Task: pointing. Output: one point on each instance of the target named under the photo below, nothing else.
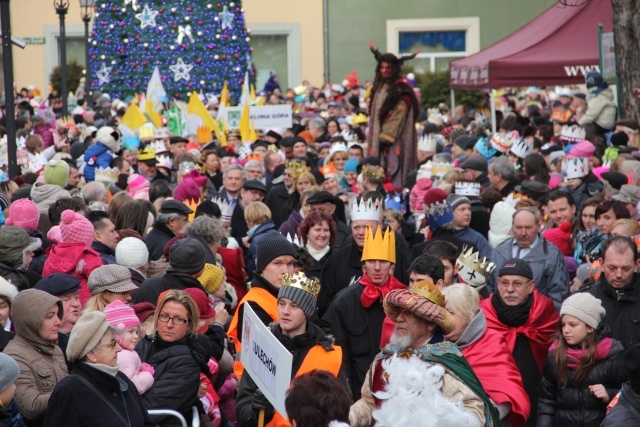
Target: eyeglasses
(163, 317)
(516, 284)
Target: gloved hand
(259, 401)
(145, 367)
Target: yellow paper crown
(360, 118)
(428, 290)
(193, 205)
(298, 168)
(146, 154)
(147, 131)
(204, 135)
(379, 246)
(300, 281)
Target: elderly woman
(485, 349)
(97, 394)
(36, 318)
(177, 353)
(107, 284)
(318, 233)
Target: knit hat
(75, 228)
(456, 200)
(143, 310)
(56, 172)
(500, 223)
(271, 247)
(187, 190)
(351, 165)
(9, 371)
(112, 278)
(203, 302)
(593, 79)
(302, 291)
(585, 307)
(434, 195)
(561, 237)
(8, 291)
(23, 213)
(211, 278)
(109, 137)
(86, 334)
(187, 256)
(516, 267)
(121, 316)
(132, 253)
(582, 149)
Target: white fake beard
(402, 342)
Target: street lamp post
(62, 7)
(86, 7)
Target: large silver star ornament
(226, 18)
(147, 17)
(181, 70)
(104, 74)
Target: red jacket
(75, 259)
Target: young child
(123, 317)
(9, 371)
(584, 368)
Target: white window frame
(470, 25)
(294, 47)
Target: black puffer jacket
(574, 405)
(176, 376)
(626, 412)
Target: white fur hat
(8, 290)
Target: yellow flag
(261, 100)
(196, 107)
(253, 93)
(154, 116)
(253, 136)
(223, 140)
(224, 95)
(133, 118)
(245, 126)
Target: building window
(439, 41)
(75, 50)
(270, 56)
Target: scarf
(109, 370)
(373, 292)
(575, 355)
(317, 255)
(512, 316)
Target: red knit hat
(75, 228)
(561, 237)
(434, 195)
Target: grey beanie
(187, 256)
(585, 307)
(272, 245)
(86, 334)
(302, 298)
(9, 371)
(456, 200)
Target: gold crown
(193, 205)
(300, 281)
(360, 118)
(471, 260)
(107, 175)
(428, 290)
(373, 172)
(204, 135)
(146, 154)
(379, 246)
(298, 167)
(233, 132)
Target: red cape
(539, 329)
(494, 366)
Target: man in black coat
(173, 216)
(186, 262)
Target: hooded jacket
(41, 362)
(13, 243)
(98, 155)
(43, 195)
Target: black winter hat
(516, 267)
(58, 284)
(187, 256)
(271, 246)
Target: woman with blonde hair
(177, 353)
(258, 217)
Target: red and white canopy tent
(559, 47)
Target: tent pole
(493, 110)
(453, 100)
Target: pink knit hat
(121, 316)
(582, 149)
(24, 213)
(138, 187)
(187, 190)
(75, 228)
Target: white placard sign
(265, 359)
(264, 117)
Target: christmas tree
(197, 45)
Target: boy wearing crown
(356, 315)
(310, 347)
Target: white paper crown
(502, 141)
(425, 170)
(440, 169)
(520, 148)
(225, 209)
(21, 142)
(434, 116)
(575, 168)
(161, 133)
(158, 146)
(107, 175)
(473, 270)
(164, 161)
(427, 143)
(468, 188)
(365, 210)
(295, 240)
(350, 138)
(573, 133)
(340, 146)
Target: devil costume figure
(393, 112)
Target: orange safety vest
(267, 302)
(317, 358)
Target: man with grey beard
(421, 320)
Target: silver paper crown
(295, 240)
(468, 188)
(365, 210)
(427, 143)
(164, 161)
(158, 146)
(225, 209)
(520, 148)
(575, 168)
(573, 133)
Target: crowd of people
(421, 269)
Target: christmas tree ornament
(226, 18)
(184, 32)
(104, 74)
(181, 70)
(147, 17)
